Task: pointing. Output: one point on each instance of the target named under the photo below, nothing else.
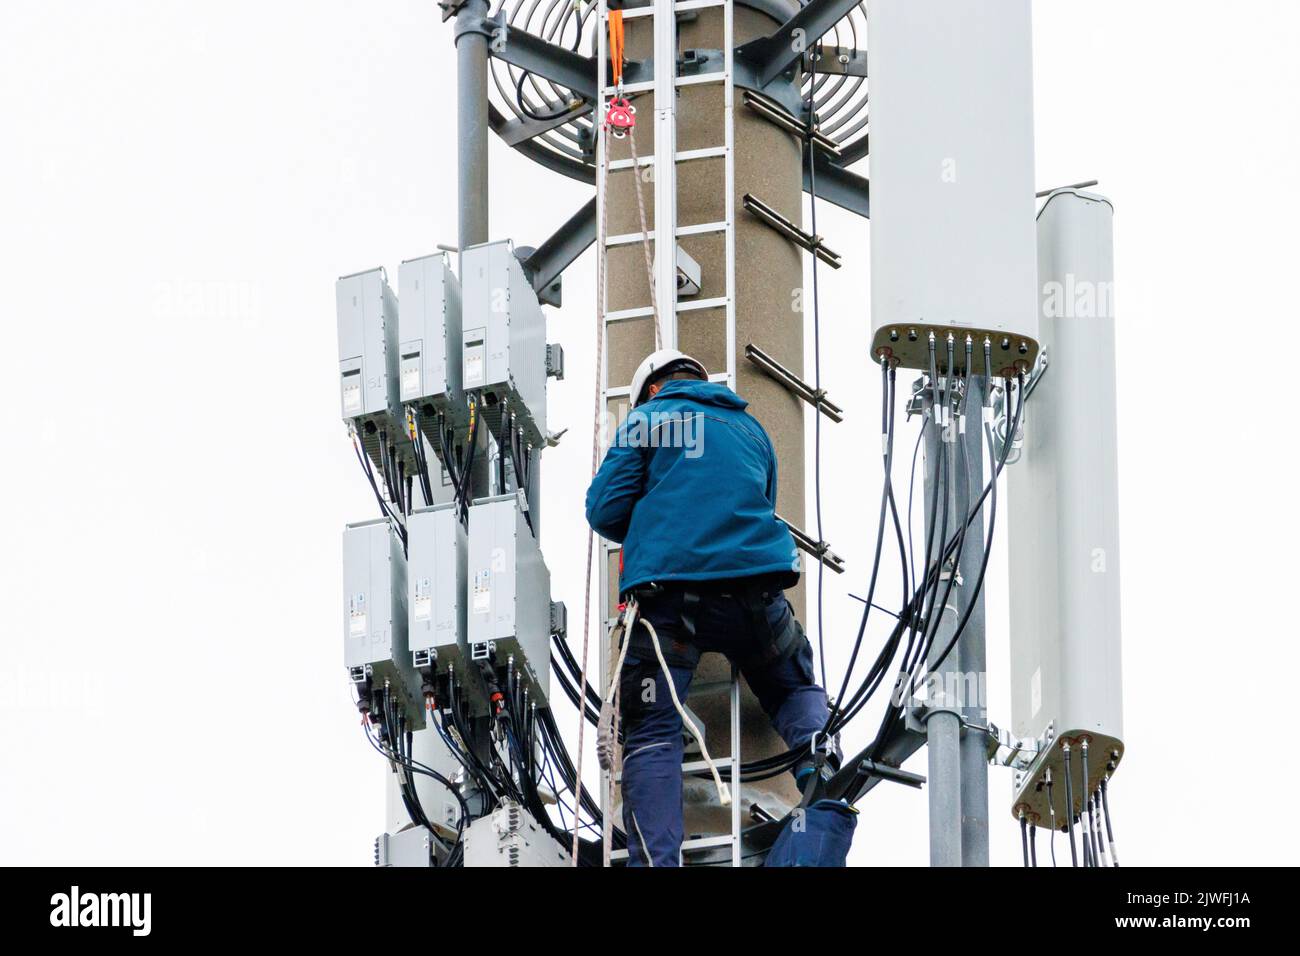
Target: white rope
(608, 750)
(595, 462)
(606, 738)
(724, 793)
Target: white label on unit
(423, 601)
(352, 397)
(1035, 693)
(410, 381)
(482, 592)
(474, 369)
(357, 618)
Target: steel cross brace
(772, 55)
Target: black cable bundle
(395, 745)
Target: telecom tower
(701, 125)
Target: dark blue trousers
(689, 623)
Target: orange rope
(616, 44)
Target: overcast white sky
(180, 184)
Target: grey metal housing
(504, 332)
(438, 550)
(374, 614)
(430, 336)
(509, 590)
(368, 350)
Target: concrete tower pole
(769, 293)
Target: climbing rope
(724, 793)
(645, 235)
(608, 750)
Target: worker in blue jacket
(689, 488)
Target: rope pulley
(620, 116)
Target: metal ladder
(666, 232)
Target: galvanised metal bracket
(1001, 421)
(1018, 753)
(850, 62)
(849, 780)
(917, 714)
(776, 54)
(776, 113)
(797, 386)
(530, 52)
(770, 217)
(545, 264)
(838, 185)
(450, 8)
(818, 549)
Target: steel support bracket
(776, 114)
(836, 184)
(450, 8)
(850, 782)
(874, 768)
(545, 264)
(917, 714)
(1018, 753)
(529, 52)
(770, 217)
(484, 26)
(846, 62)
(778, 52)
(801, 389)
(818, 549)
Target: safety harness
(753, 594)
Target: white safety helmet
(655, 364)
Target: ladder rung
(640, 13)
(685, 156)
(699, 229)
(694, 305)
(695, 79)
(644, 312)
(698, 843)
(622, 315)
(645, 86)
(624, 239)
(691, 79)
(702, 228)
(703, 843)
